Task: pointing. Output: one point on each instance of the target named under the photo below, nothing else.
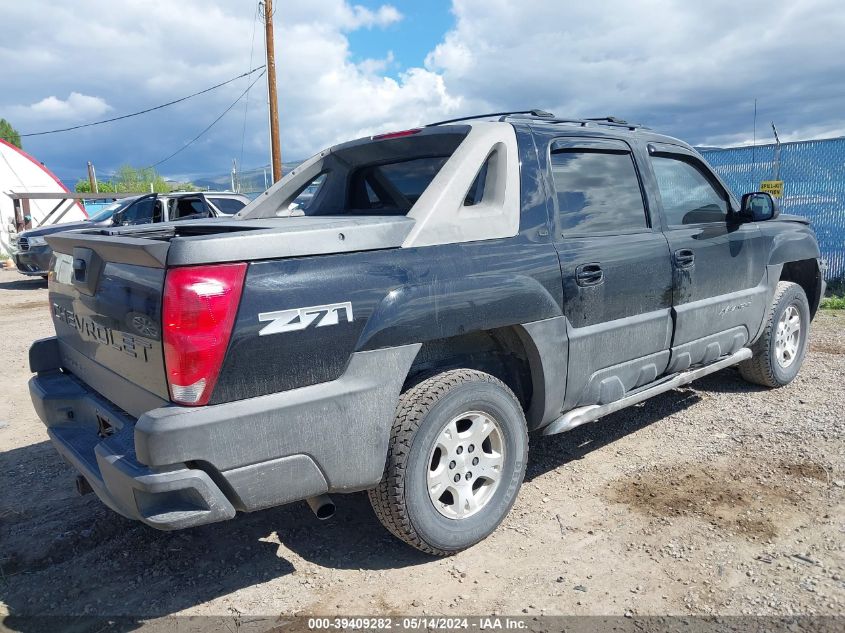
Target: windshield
(378, 176)
(108, 211)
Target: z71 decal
(300, 318)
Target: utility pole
(92, 178)
(275, 148)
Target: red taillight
(382, 137)
(200, 303)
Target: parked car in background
(33, 253)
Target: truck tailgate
(107, 316)
(107, 285)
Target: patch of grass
(833, 303)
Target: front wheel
(780, 350)
(456, 460)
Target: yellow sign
(772, 187)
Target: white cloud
(357, 16)
(140, 53)
(377, 66)
(77, 107)
(690, 69)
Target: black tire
(401, 500)
(763, 367)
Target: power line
(212, 124)
(246, 103)
(158, 107)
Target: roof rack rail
(547, 117)
(535, 113)
(609, 119)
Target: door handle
(684, 258)
(589, 275)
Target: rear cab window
(381, 176)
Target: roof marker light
(389, 135)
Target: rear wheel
(456, 460)
(779, 352)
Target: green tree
(130, 179)
(10, 134)
(103, 186)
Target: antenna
(754, 151)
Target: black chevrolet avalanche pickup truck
(399, 312)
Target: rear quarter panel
(398, 296)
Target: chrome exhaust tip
(322, 506)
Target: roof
(231, 194)
(542, 116)
(543, 119)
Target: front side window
(144, 211)
(597, 191)
(688, 196)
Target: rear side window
(229, 206)
(476, 192)
(188, 208)
(597, 192)
(688, 196)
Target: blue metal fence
(814, 185)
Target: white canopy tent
(20, 173)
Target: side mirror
(758, 206)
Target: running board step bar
(591, 413)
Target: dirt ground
(720, 498)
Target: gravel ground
(719, 498)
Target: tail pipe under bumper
(322, 506)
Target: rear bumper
(35, 261)
(167, 499)
(177, 467)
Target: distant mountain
(252, 180)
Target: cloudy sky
(346, 69)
